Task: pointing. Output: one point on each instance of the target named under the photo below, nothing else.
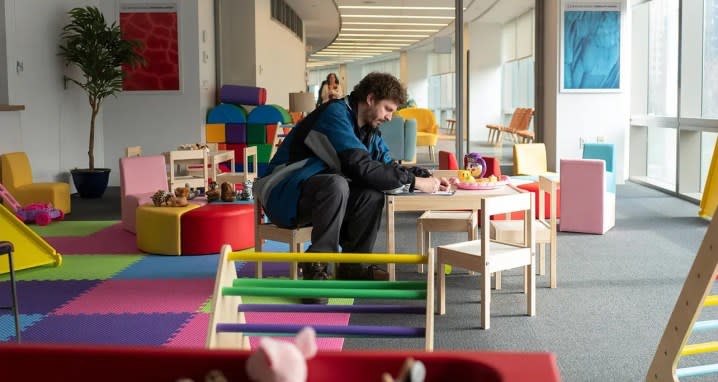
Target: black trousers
(341, 214)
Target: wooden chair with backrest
(523, 134)
(512, 230)
(133, 151)
(487, 256)
(521, 123)
(264, 230)
(496, 130)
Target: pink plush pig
(282, 361)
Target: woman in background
(332, 90)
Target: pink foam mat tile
(193, 334)
(141, 296)
(323, 343)
(111, 240)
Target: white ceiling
(338, 32)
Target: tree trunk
(91, 151)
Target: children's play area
(349, 190)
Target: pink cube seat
(140, 177)
(586, 206)
(206, 229)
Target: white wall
(281, 60)
(207, 58)
(54, 127)
(484, 78)
(589, 115)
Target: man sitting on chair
(332, 170)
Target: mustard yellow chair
(530, 161)
(16, 176)
(427, 130)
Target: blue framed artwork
(591, 47)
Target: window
(518, 84)
(283, 13)
(663, 58)
(710, 59)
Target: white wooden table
(460, 200)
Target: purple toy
(40, 213)
(474, 160)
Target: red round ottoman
(206, 229)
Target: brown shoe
(356, 272)
(314, 271)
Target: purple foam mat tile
(268, 269)
(106, 329)
(111, 240)
(171, 267)
(42, 297)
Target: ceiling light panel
(384, 26)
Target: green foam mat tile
(206, 307)
(82, 267)
(72, 228)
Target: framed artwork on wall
(590, 47)
(156, 25)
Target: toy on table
(213, 193)
(474, 163)
(282, 361)
(39, 213)
(411, 371)
(246, 193)
(192, 192)
(227, 194)
(180, 198)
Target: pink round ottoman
(206, 229)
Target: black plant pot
(90, 183)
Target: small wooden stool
(451, 124)
(443, 221)
(6, 248)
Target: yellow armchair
(16, 176)
(427, 130)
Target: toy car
(40, 213)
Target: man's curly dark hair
(383, 86)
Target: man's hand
(431, 184)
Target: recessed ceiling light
(400, 17)
(396, 7)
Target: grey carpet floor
(603, 322)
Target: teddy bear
(213, 193)
(228, 194)
(282, 361)
(181, 197)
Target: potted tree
(98, 51)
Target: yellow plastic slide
(710, 189)
(30, 249)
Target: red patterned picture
(156, 27)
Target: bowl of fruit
(466, 181)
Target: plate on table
(504, 180)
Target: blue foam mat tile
(7, 325)
(115, 329)
(171, 267)
(42, 297)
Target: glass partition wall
(674, 103)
